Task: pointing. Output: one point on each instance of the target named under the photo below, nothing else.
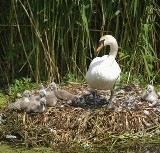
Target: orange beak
(99, 47)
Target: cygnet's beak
(100, 47)
(147, 91)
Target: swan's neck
(112, 54)
(113, 49)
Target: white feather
(104, 71)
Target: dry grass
(68, 123)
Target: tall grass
(49, 39)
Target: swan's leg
(112, 92)
(94, 93)
(111, 95)
(94, 97)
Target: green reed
(49, 39)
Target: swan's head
(105, 40)
(150, 88)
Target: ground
(88, 122)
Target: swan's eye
(101, 42)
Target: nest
(65, 122)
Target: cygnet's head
(43, 101)
(150, 88)
(40, 86)
(27, 93)
(42, 93)
(53, 86)
(106, 40)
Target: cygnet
(34, 99)
(61, 94)
(37, 107)
(149, 94)
(22, 101)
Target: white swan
(104, 71)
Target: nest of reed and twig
(65, 122)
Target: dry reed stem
(70, 124)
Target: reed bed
(52, 39)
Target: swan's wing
(32, 107)
(17, 105)
(102, 75)
(64, 95)
(104, 57)
(144, 94)
(14, 106)
(98, 60)
(51, 99)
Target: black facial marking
(101, 42)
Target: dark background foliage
(46, 40)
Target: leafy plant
(3, 99)
(71, 78)
(21, 85)
(126, 78)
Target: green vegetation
(120, 143)
(12, 149)
(21, 85)
(3, 99)
(52, 39)
(55, 40)
(72, 78)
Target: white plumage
(104, 71)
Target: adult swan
(104, 71)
